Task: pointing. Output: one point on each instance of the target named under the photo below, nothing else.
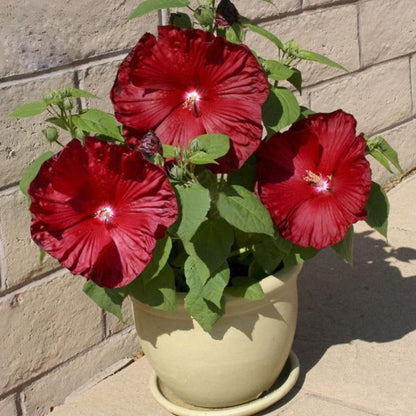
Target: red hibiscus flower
(99, 209)
(314, 179)
(187, 83)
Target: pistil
(318, 181)
(191, 102)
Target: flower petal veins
(187, 83)
(314, 179)
(98, 208)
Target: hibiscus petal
(154, 84)
(108, 233)
(318, 222)
(352, 181)
(336, 133)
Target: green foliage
(244, 210)
(32, 170)
(246, 175)
(194, 203)
(235, 33)
(211, 243)
(299, 255)
(245, 287)
(181, 20)
(378, 209)
(383, 153)
(77, 93)
(158, 291)
(155, 286)
(280, 110)
(28, 110)
(160, 257)
(148, 6)
(108, 299)
(316, 57)
(263, 32)
(205, 300)
(345, 248)
(213, 145)
(268, 255)
(98, 122)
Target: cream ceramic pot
(237, 360)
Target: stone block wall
(52, 338)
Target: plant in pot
(203, 203)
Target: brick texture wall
(52, 338)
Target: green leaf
(378, 209)
(305, 112)
(277, 70)
(380, 149)
(108, 299)
(42, 254)
(181, 20)
(168, 151)
(268, 255)
(211, 243)
(194, 267)
(316, 57)
(32, 170)
(244, 210)
(235, 33)
(57, 122)
(28, 109)
(194, 203)
(215, 145)
(148, 6)
(160, 257)
(245, 287)
(296, 79)
(202, 158)
(208, 180)
(256, 272)
(246, 175)
(299, 255)
(345, 248)
(158, 292)
(97, 121)
(280, 110)
(376, 154)
(263, 32)
(205, 300)
(77, 93)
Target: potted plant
(203, 203)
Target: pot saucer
(280, 388)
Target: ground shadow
(338, 304)
(372, 302)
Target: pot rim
(271, 286)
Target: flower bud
(176, 172)
(47, 96)
(177, 152)
(226, 15)
(150, 144)
(195, 146)
(204, 16)
(68, 103)
(51, 134)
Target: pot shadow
(338, 304)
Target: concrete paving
(356, 336)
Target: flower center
(104, 214)
(191, 102)
(320, 182)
